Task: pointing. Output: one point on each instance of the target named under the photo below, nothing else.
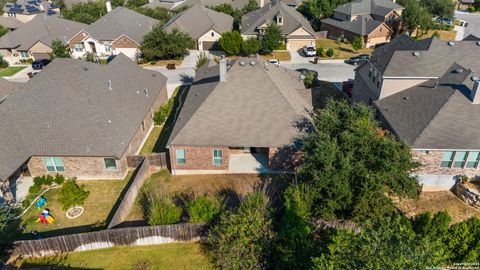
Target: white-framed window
(108, 47)
(217, 157)
(24, 54)
(459, 159)
(472, 159)
(78, 47)
(180, 155)
(213, 34)
(110, 164)
(54, 164)
(447, 159)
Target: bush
(160, 209)
(202, 59)
(45, 180)
(330, 52)
(309, 79)
(250, 46)
(162, 114)
(71, 194)
(152, 63)
(3, 63)
(204, 209)
(282, 46)
(471, 9)
(26, 61)
(319, 51)
(323, 53)
(59, 179)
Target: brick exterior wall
(431, 164)
(199, 158)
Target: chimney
(223, 69)
(108, 4)
(474, 94)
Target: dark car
(40, 64)
(304, 71)
(357, 60)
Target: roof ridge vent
(416, 53)
(451, 43)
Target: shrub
(330, 52)
(162, 114)
(59, 179)
(45, 180)
(436, 34)
(282, 46)
(323, 53)
(319, 51)
(471, 9)
(71, 194)
(3, 63)
(160, 209)
(202, 59)
(250, 46)
(204, 209)
(26, 61)
(152, 63)
(309, 79)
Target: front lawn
(162, 63)
(10, 71)
(280, 55)
(444, 34)
(176, 256)
(344, 52)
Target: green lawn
(280, 55)
(344, 51)
(10, 71)
(176, 256)
(151, 141)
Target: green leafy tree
(309, 79)
(59, 50)
(357, 43)
(272, 38)
(317, 10)
(242, 239)
(293, 246)
(204, 208)
(415, 17)
(463, 241)
(85, 12)
(250, 46)
(250, 6)
(3, 31)
(132, 4)
(225, 8)
(7, 213)
(71, 194)
(159, 44)
(3, 63)
(441, 8)
(231, 43)
(158, 13)
(350, 164)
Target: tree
(250, 46)
(3, 63)
(59, 50)
(250, 6)
(441, 8)
(231, 42)
(272, 38)
(225, 8)
(242, 239)
(85, 12)
(317, 10)
(463, 241)
(415, 17)
(3, 31)
(132, 4)
(159, 44)
(7, 213)
(71, 194)
(357, 43)
(350, 164)
(293, 246)
(204, 208)
(158, 13)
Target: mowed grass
(10, 71)
(161, 63)
(103, 196)
(344, 51)
(280, 55)
(178, 256)
(435, 201)
(151, 141)
(444, 34)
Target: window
(213, 34)
(24, 54)
(217, 157)
(54, 164)
(459, 159)
(108, 48)
(180, 153)
(446, 159)
(472, 160)
(110, 164)
(280, 20)
(78, 47)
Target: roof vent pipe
(253, 63)
(110, 85)
(478, 43)
(451, 43)
(416, 53)
(474, 94)
(223, 69)
(242, 63)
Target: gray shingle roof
(121, 21)
(65, 111)
(362, 25)
(260, 111)
(366, 7)
(7, 88)
(292, 20)
(41, 28)
(10, 22)
(436, 115)
(198, 20)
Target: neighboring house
(79, 119)
(427, 92)
(376, 21)
(11, 23)
(7, 88)
(464, 4)
(204, 25)
(119, 31)
(168, 4)
(239, 117)
(296, 30)
(176, 5)
(26, 10)
(33, 40)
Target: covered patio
(248, 163)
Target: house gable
(78, 38)
(124, 42)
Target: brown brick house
(78, 119)
(427, 93)
(376, 21)
(240, 117)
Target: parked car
(357, 60)
(304, 71)
(309, 50)
(347, 87)
(275, 62)
(40, 64)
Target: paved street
(473, 20)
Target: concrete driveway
(176, 77)
(473, 20)
(21, 76)
(334, 71)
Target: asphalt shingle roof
(10, 22)
(261, 111)
(41, 28)
(68, 110)
(292, 19)
(362, 25)
(366, 7)
(30, 7)
(7, 88)
(198, 20)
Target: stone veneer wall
(431, 164)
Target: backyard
(167, 256)
(10, 71)
(342, 51)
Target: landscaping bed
(344, 52)
(10, 71)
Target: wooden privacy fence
(158, 160)
(130, 196)
(152, 235)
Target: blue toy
(42, 201)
